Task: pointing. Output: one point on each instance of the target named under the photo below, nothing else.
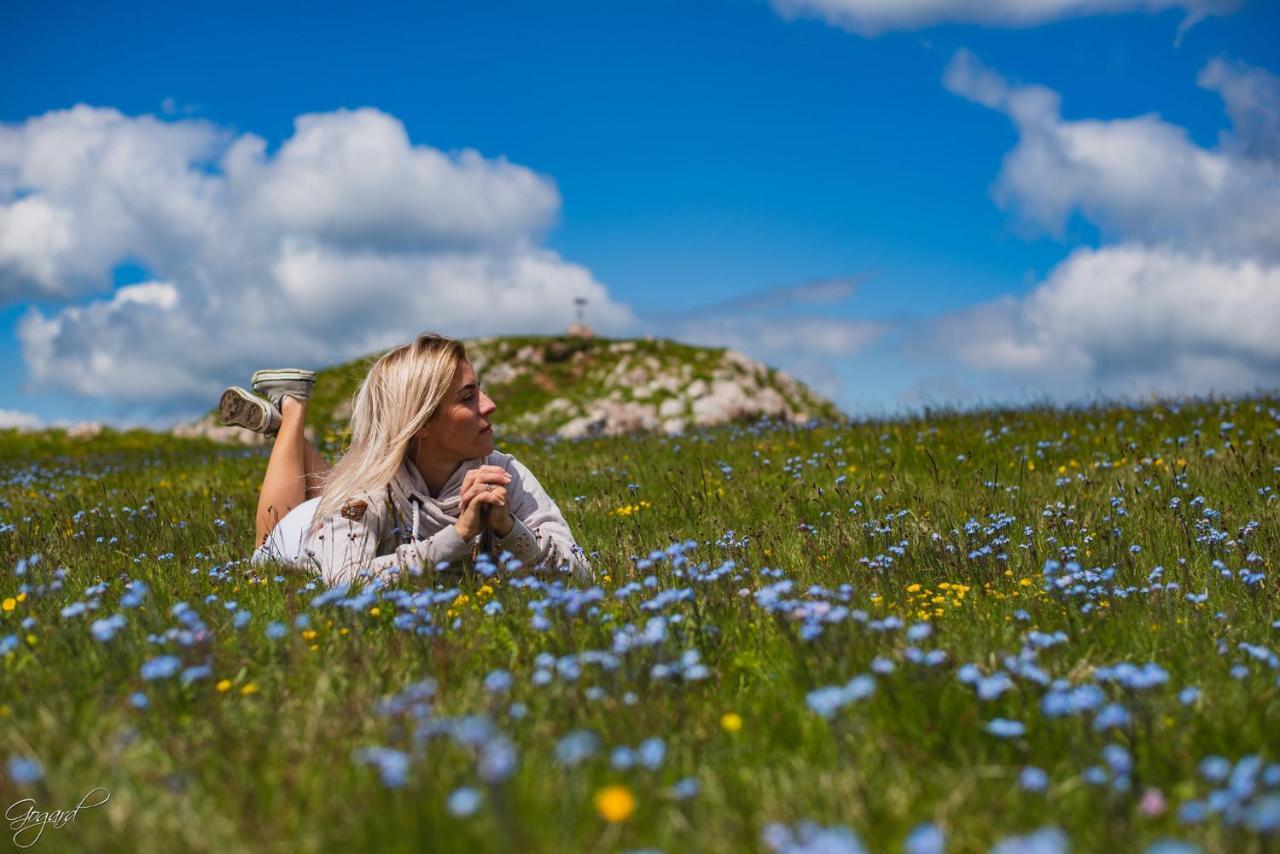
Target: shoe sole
(240, 409)
(283, 374)
(276, 384)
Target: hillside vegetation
(544, 384)
(1033, 627)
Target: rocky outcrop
(646, 395)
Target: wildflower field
(1030, 630)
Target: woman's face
(460, 429)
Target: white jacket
(403, 528)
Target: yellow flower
(9, 604)
(223, 685)
(309, 634)
(913, 588)
(615, 803)
(731, 721)
(249, 688)
(375, 611)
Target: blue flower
(828, 700)
(1263, 815)
(809, 838)
(576, 748)
(242, 619)
(497, 682)
(135, 594)
(200, 671)
(685, 788)
(990, 687)
(1215, 768)
(622, 758)
(1004, 728)
(925, 839)
(75, 609)
(1117, 759)
(103, 630)
(161, 667)
(1192, 812)
(497, 760)
(139, 700)
(275, 631)
(23, 770)
(1046, 840)
(651, 753)
(392, 765)
(1033, 779)
(1113, 716)
(1172, 846)
(464, 802)
(919, 632)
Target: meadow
(1034, 630)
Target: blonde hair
(399, 396)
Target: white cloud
(1130, 319)
(1252, 96)
(1136, 178)
(13, 418)
(346, 238)
(872, 17)
(777, 326)
(1186, 296)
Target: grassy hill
(542, 382)
(974, 627)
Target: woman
(419, 487)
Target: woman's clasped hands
(484, 502)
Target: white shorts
(285, 541)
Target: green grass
(267, 764)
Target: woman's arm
(346, 546)
(539, 535)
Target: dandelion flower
(615, 803)
(731, 722)
(223, 685)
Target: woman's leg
(285, 485)
(316, 467)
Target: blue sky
(700, 150)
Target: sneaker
(242, 409)
(276, 383)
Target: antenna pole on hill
(578, 329)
